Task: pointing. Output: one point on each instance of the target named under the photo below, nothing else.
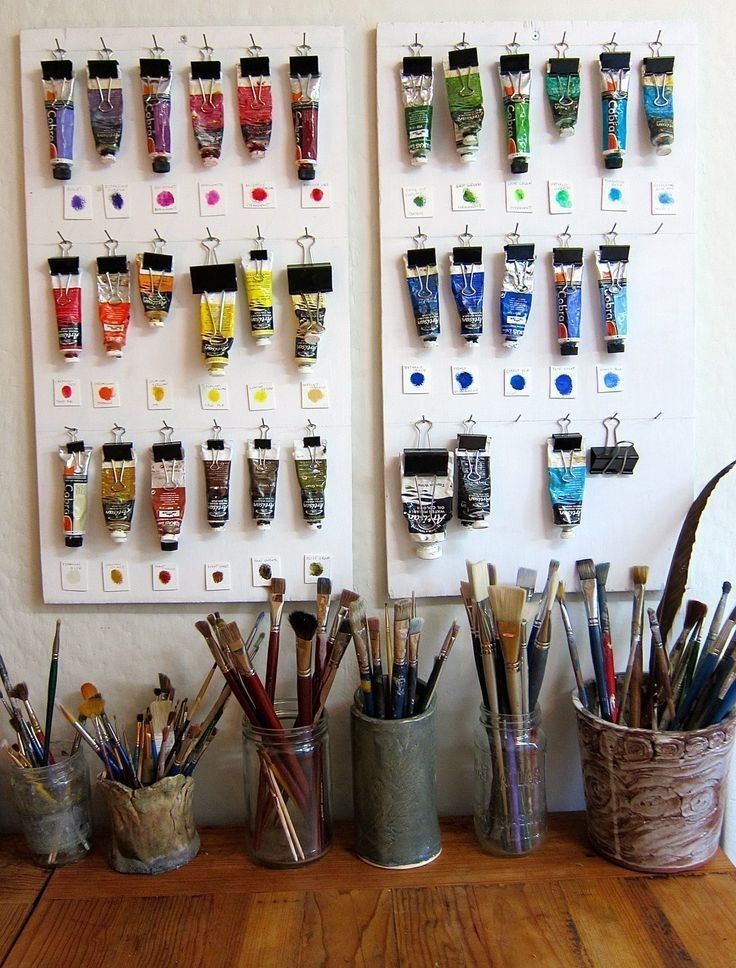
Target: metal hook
(513, 237)
(254, 50)
(419, 239)
(562, 47)
(423, 428)
(517, 419)
(118, 433)
(469, 424)
(72, 431)
(657, 415)
(565, 237)
(210, 244)
(655, 47)
(263, 429)
(156, 50)
(304, 47)
(105, 50)
(159, 242)
(206, 51)
(466, 236)
(612, 424)
(306, 242)
(416, 48)
(166, 432)
(65, 245)
(564, 423)
(656, 231)
(463, 45)
(59, 52)
(611, 235)
(260, 239)
(311, 427)
(611, 46)
(216, 430)
(111, 245)
(513, 47)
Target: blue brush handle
(702, 675)
(725, 706)
(596, 653)
(536, 675)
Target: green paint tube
(310, 460)
(562, 83)
(465, 99)
(416, 92)
(516, 79)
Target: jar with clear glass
(510, 810)
(288, 808)
(53, 804)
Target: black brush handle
(378, 691)
(411, 689)
(596, 653)
(398, 690)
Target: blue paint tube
(427, 477)
(614, 102)
(422, 281)
(516, 291)
(566, 480)
(658, 81)
(567, 264)
(467, 282)
(612, 261)
(473, 460)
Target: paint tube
(310, 460)
(67, 294)
(567, 267)
(58, 95)
(658, 81)
(105, 100)
(263, 466)
(612, 261)
(305, 81)
(422, 280)
(255, 104)
(156, 84)
(307, 287)
(562, 83)
(465, 99)
(217, 462)
(155, 285)
(417, 83)
(566, 480)
(217, 286)
(113, 301)
(207, 109)
(76, 471)
(467, 281)
(614, 102)
(516, 291)
(473, 460)
(258, 273)
(117, 484)
(427, 477)
(168, 491)
(516, 80)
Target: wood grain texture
(562, 906)
(21, 883)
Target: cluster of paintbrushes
(32, 747)
(167, 740)
(398, 694)
(688, 686)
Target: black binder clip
(565, 440)
(425, 460)
(616, 456)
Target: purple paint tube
(105, 99)
(58, 93)
(156, 84)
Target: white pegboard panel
(173, 353)
(627, 520)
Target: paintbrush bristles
(507, 604)
(586, 569)
(640, 574)
(304, 625)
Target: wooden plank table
(21, 884)
(562, 905)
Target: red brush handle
(272, 662)
(320, 659)
(304, 700)
(609, 669)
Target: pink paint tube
(305, 80)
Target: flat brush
(586, 576)
(51, 692)
(572, 647)
(377, 685)
(324, 593)
(609, 662)
(359, 630)
(402, 618)
(305, 627)
(437, 668)
(277, 590)
(389, 654)
(415, 631)
(466, 596)
(507, 605)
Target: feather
(674, 587)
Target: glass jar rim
(286, 708)
(38, 771)
(532, 718)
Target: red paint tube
(305, 80)
(168, 491)
(67, 294)
(113, 300)
(255, 104)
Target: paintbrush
(572, 647)
(662, 672)
(437, 668)
(478, 575)
(415, 632)
(684, 655)
(359, 629)
(305, 627)
(324, 593)
(609, 661)
(507, 605)
(20, 692)
(716, 623)
(8, 685)
(402, 618)
(526, 578)
(586, 576)
(689, 663)
(725, 699)
(639, 574)
(341, 615)
(705, 669)
(51, 693)
(538, 659)
(276, 600)
(377, 686)
(695, 613)
(475, 639)
(78, 728)
(337, 651)
(552, 570)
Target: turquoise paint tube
(658, 82)
(612, 261)
(566, 480)
(615, 66)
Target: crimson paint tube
(255, 104)
(305, 80)
(156, 84)
(168, 491)
(207, 109)
(67, 293)
(58, 97)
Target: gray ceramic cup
(394, 789)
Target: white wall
(122, 649)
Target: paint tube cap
(430, 342)
(304, 364)
(663, 149)
(169, 545)
(429, 551)
(215, 369)
(119, 536)
(519, 166)
(568, 131)
(258, 153)
(116, 353)
(71, 357)
(263, 525)
(614, 161)
(73, 540)
(568, 349)
(567, 532)
(419, 159)
(615, 346)
(107, 157)
(62, 171)
(511, 344)
(161, 165)
(314, 525)
(306, 173)
(263, 340)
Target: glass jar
(288, 807)
(510, 811)
(53, 804)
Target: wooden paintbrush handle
(596, 653)
(304, 700)
(272, 662)
(637, 673)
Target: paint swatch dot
(470, 196)
(664, 198)
(117, 200)
(259, 194)
(562, 197)
(464, 379)
(265, 571)
(315, 394)
(517, 382)
(317, 194)
(116, 576)
(611, 380)
(316, 569)
(563, 384)
(217, 577)
(615, 194)
(214, 395)
(165, 199)
(212, 197)
(158, 393)
(260, 396)
(420, 201)
(519, 194)
(67, 391)
(78, 203)
(417, 379)
(106, 393)
(164, 577)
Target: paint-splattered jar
(53, 804)
(288, 795)
(510, 812)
